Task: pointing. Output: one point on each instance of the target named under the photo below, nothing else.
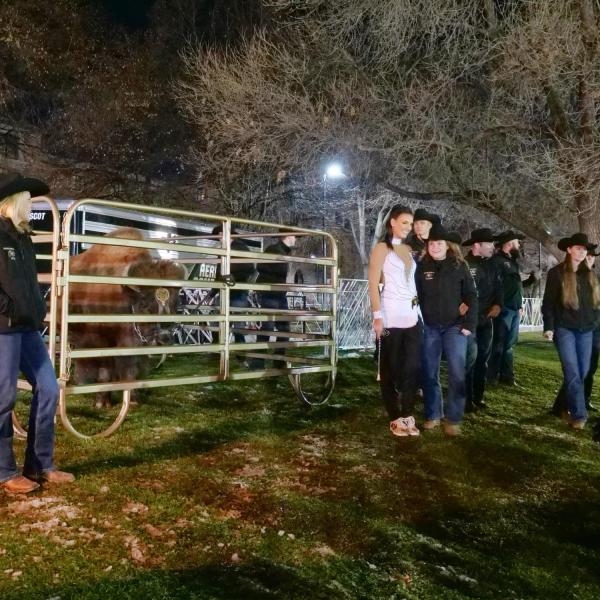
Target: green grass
(236, 491)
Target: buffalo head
(154, 299)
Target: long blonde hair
(456, 252)
(570, 298)
(9, 207)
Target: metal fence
(531, 320)
(77, 331)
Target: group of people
(429, 300)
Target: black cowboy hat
(218, 229)
(592, 250)
(438, 232)
(577, 239)
(14, 183)
(508, 235)
(480, 235)
(421, 214)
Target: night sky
(131, 13)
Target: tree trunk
(359, 228)
(589, 212)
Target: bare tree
(432, 99)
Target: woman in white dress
(396, 321)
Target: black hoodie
(22, 307)
(488, 281)
(556, 314)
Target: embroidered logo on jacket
(11, 253)
(429, 275)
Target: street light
(333, 171)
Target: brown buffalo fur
(99, 298)
(157, 269)
(107, 260)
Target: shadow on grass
(282, 420)
(220, 582)
(551, 553)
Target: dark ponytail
(394, 213)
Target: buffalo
(100, 298)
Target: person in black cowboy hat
(588, 384)
(448, 301)
(241, 272)
(423, 222)
(561, 407)
(22, 313)
(275, 272)
(506, 324)
(571, 313)
(488, 282)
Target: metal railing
(531, 319)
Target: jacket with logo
(22, 307)
(488, 282)
(442, 285)
(511, 280)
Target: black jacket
(417, 245)
(274, 272)
(242, 272)
(442, 285)
(555, 314)
(511, 280)
(488, 282)
(22, 307)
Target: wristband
(377, 314)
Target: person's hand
(520, 312)
(549, 335)
(494, 311)
(465, 332)
(463, 308)
(378, 327)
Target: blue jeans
(274, 300)
(454, 345)
(26, 352)
(278, 301)
(560, 403)
(574, 350)
(506, 335)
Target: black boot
(470, 407)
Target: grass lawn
(237, 491)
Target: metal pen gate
(308, 348)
